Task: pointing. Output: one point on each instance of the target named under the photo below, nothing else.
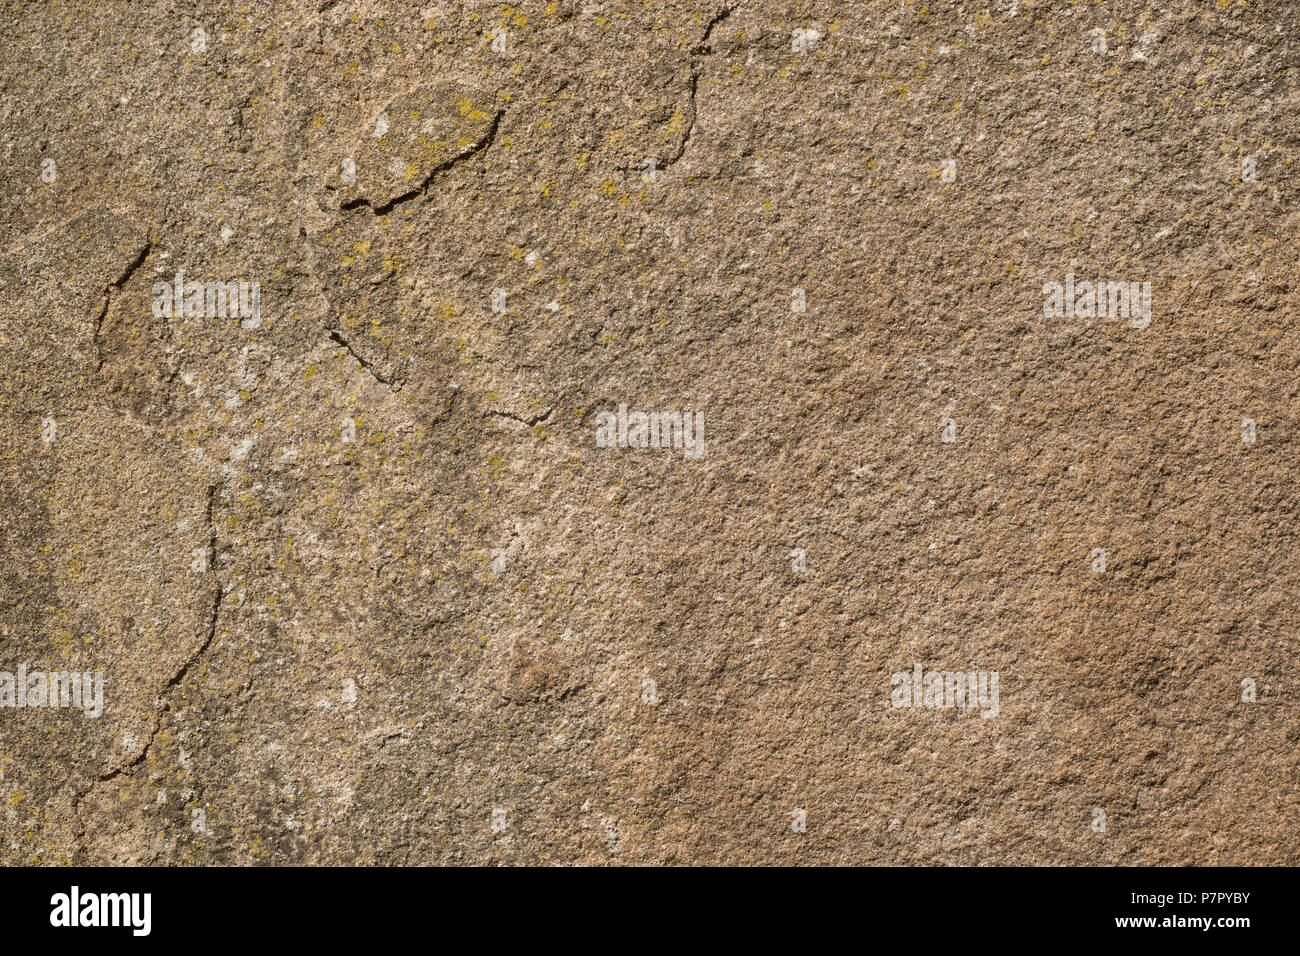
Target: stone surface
(362, 582)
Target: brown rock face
(773, 432)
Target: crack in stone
(339, 339)
(700, 49)
(120, 281)
(175, 681)
(721, 15)
(530, 422)
(384, 209)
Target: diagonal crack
(339, 339)
(169, 686)
(384, 209)
(209, 637)
(702, 47)
(109, 289)
(215, 615)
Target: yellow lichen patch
(467, 109)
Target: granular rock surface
(745, 432)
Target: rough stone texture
(221, 443)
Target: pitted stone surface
(363, 580)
